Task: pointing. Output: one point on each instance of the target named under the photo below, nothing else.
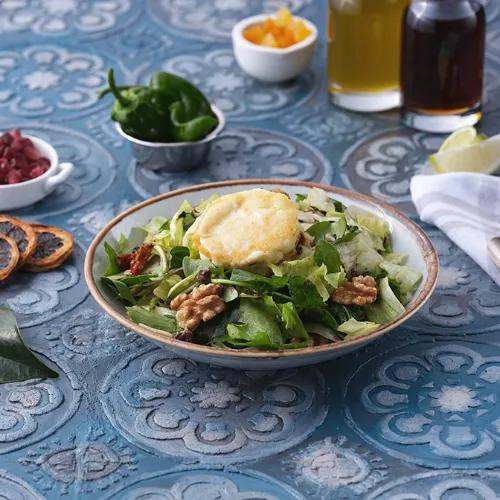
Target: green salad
(343, 281)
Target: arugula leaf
(258, 281)
(300, 197)
(17, 362)
(176, 255)
(113, 267)
(321, 315)
(326, 253)
(120, 289)
(319, 230)
(142, 316)
(348, 235)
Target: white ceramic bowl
(408, 238)
(267, 63)
(13, 196)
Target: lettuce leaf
(352, 328)
(359, 255)
(293, 326)
(404, 279)
(387, 306)
(257, 326)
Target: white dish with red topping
(30, 172)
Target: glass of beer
(364, 44)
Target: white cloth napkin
(466, 207)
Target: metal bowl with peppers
(169, 122)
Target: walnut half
(360, 291)
(202, 304)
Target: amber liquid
(364, 39)
(442, 61)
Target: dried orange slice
(53, 247)
(9, 256)
(22, 233)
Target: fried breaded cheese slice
(249, 227)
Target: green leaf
(292, 323)
(113, 267)
(404, 279)
(326, 253)
(304, 294)
(194, 266)
(177, 254)
(17, 362)
(348, 235)
(120, 289)
(319, 230)
(184, 286)
(257, 324)
(163, 289)
(258, 281)
(387, 306)
(142, 316)
(353, 328)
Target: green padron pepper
(190, 112)
(143, 112)
(170, 109)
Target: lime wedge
(461, 138)
(481, 157)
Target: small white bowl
(268, 64)
(13, 196)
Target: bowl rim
(212, 135)
(237, 35)
(54, 162)
(428, 251)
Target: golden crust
(57, 257)
(246, 228)
(30, 237)
(14, 257)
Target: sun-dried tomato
(139, 259)
(124, 261)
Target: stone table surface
(415, 415)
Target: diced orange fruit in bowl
(280, 31)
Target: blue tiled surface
(414, 415)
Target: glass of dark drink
(442, 64)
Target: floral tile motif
(42, 80)
(240, 96)
(62, 17)
(95, 169)
(431, 403)
(383, 164)
(38, 297)
(466, 300)
(192, 484)
(33, 410)
(326, 125)
(86, 223)
(12, 487)
(215, 19)
(442, 485)
(87, 462)
(88, 334)
(177, 407)
(333, 468)
(240, 154)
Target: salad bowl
(407, 238)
